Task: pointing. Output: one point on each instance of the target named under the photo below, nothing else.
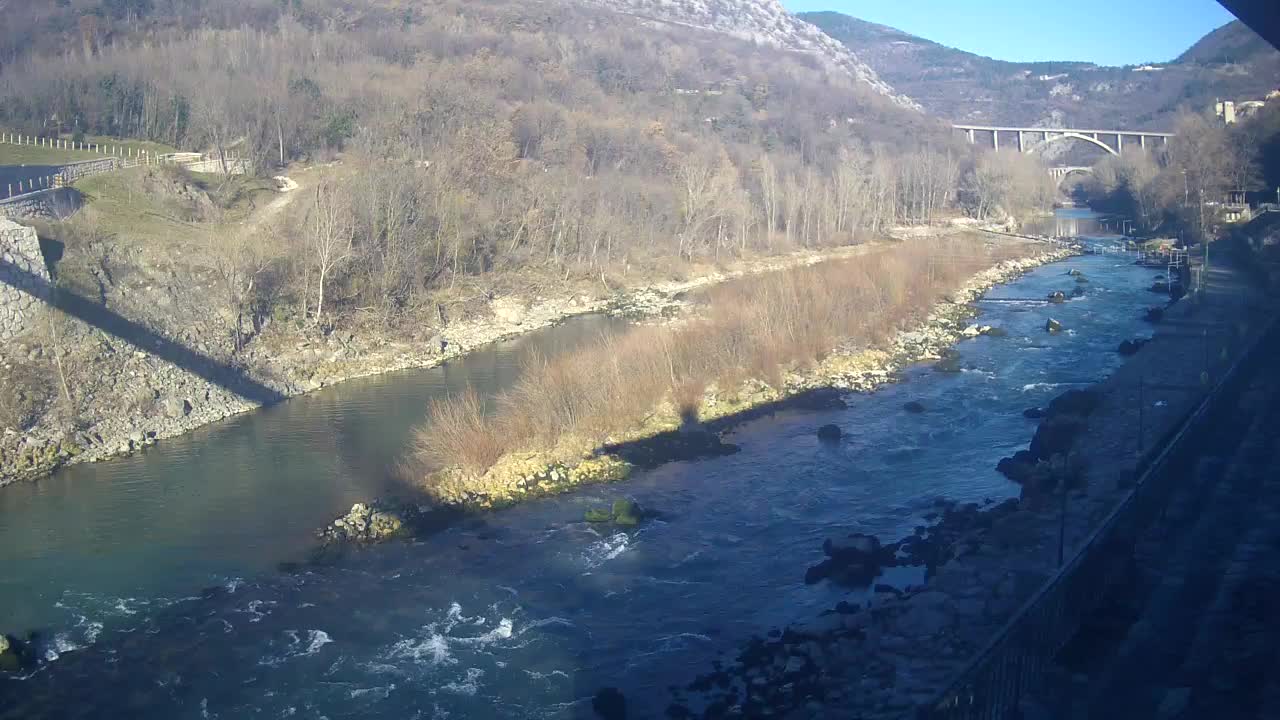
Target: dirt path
(287, 187)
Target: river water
(154, 578)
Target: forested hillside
(496, 134)
(1231, 63)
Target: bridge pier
(1119, 144)
(1021, 148)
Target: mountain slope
(760, 21)
(1231, 63)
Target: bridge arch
(1060, 174)
(1073, 136)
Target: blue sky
(1107, 32)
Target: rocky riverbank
(889, 651)
(128, 398)
(667, 435)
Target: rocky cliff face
(762, 21)
(24, 280)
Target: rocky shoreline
(893, 650)
(182, 402)
(667, 436)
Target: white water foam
(606, 549)
(546, 676)
(374, 693)
(553, 620)
(469, 686)
(1039, 386)
(433, 646)
(299, 646)
(253, 609)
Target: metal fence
(1014, 663)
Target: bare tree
(330, 237)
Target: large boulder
(854, 560)
(1020, 468)
(1052, 326)
(1075, 402)
(1057, 297)
(176, 408)
(367, 524)
(829, 433)
(626, 513)
(13, 657)
(1056, 435)
(623, 513)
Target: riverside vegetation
(750, 343)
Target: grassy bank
(736, 353)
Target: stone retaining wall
(75, 171)
(24, 280)
(53, 204)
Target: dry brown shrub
(458, 434)
(758, 327)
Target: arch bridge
(1061, 173)
(1030, 140)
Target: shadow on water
(232, 378)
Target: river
(154, 578)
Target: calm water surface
(517, 614)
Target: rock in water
(626, 513)
(853, 561)
(995, 332)
(913, 407)
(829, 433)
(1131, 347)
(597, 515)
(367, 524)
(1057, 297)
(854, 547)
(1053, 327)
(10, 660)
(1154, 314)
(948, 364)
(609, 704)
(1034, 413)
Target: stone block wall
(24, 280)
(54, 204)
